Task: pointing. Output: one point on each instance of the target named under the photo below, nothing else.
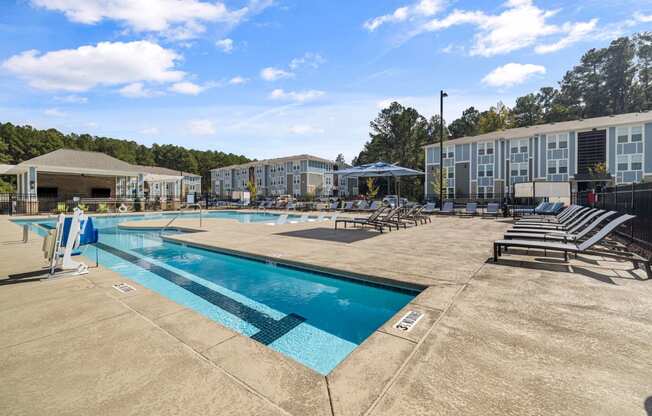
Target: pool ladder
(201, 222)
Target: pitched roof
(564, 126)
(79, 161)
(164, 171)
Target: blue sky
(269, 78)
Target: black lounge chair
(371, 221)
(551, 219)
(583, 247)
(576, 234)
(564, 224)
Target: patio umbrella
(380, 169)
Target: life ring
(123, 208)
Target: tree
(644, 57)
(372, 188)
(253, 192)
(467, 125)
(20, 143)
(496, 118)
(398, 135)
(339, 160)
(527, 111)
(435, 183)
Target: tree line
(20, 143)
(613, 80)
(607, 81)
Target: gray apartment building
(298, 176)
(487, 165)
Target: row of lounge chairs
(386, 218)
(575, 230)
(471, 209)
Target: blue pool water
(314, 318)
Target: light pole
(442, 94)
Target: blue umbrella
(379, 169)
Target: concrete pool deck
(529, 335)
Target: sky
(271, 78)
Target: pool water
(314, 318)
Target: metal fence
(635, 199)
(25, 204)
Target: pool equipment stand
(71, 232)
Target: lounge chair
(362, 206)
(471, 209)
(334, 206)
(576, 234)
(418, 216)
(392, 217)
(540, 218)
(565, 224)
(576, 225)
(282, 219)
(447, 208)
(533, 211)
(493, 208)
(429, 208)
(374, 205)
(347, 206)
(371, 221)
(578, 248)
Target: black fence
(633, 199)
(18, 204)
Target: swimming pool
(314, 318)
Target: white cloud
(296, 96)
(107, 63)
(302, 129)
(201, 127)
(137, 90)
(238, 80)
(512, 74)
(643, 18)
(520, 25)
(72, 99)
(226, 45)
(177, 19)
(422, 8)
(186, 87)
(309, 59)
(150, 131)
(575, 32)
(54, 112)
(273, 74)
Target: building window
(629, 154)
(485, 171)
(557, 157)
(519, 159)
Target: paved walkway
(524, 337)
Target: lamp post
(442, 94)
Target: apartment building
(487, 165)
(298, 176)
